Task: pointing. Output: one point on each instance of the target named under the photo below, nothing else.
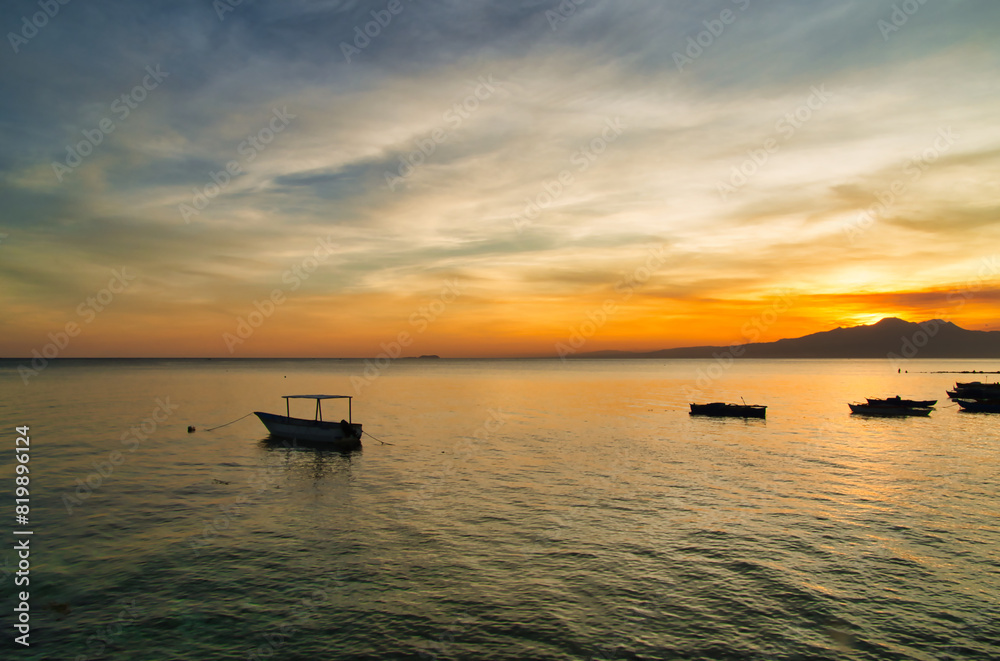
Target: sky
(343, 178)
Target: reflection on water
(525, 509)
(294, 455)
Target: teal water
(524, 510)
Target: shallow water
(524, 510)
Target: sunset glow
(489, 179)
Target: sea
(499, 509)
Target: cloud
(470, 139)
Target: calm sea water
(524, 510)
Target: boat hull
(906, 403)
(342, 435)
(888, 411)
(979, 407)
(975, 390)
(721, 410)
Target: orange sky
(471, 325)
(501, 190)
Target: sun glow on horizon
(874, 318)
(642, 206)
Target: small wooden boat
(723, 410)
(343, 435)
(975, 390)
(896, 401)
(977, 384)
(888, 411)
(989, 406)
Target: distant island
(889, 338)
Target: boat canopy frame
(318, 398)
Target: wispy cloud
(335, 169)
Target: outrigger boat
(723, 410)
(897, 401)
(888, 411)
(975, 390)
(345, 435)
(981, 406)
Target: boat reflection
(317, 461)
(274, 443)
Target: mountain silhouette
(889, 338)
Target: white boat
(343, 435)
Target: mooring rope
(229, 423)
(378, 439)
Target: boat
(988, 406)
(343, 435)
(977, 384)
(892, 410)
(723, 410)
(975, 390)
(896, 401)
